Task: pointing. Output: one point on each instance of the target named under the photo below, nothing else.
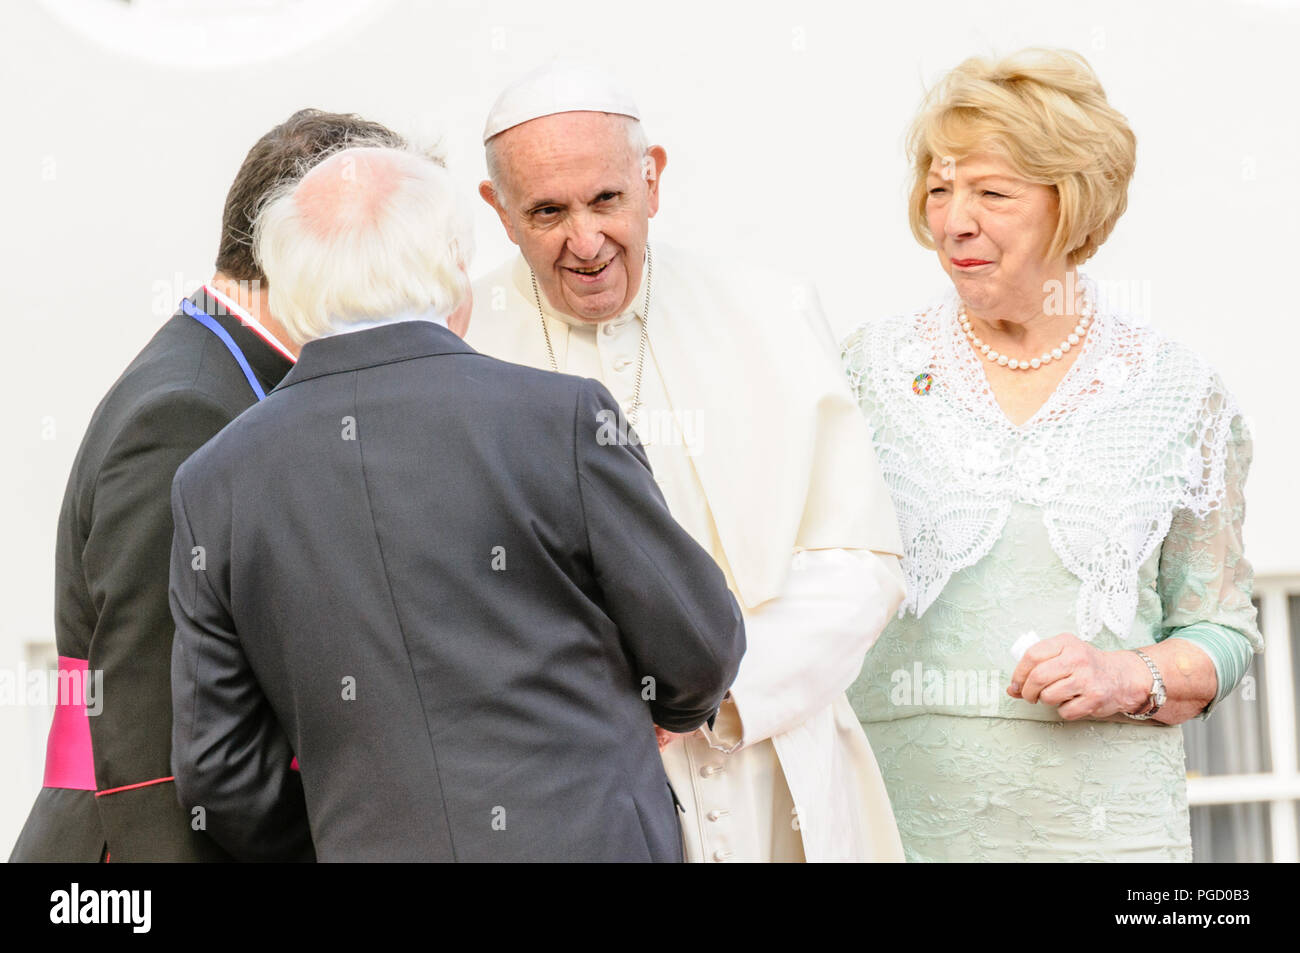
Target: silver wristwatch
(1157, 696)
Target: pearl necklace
(1034, 363)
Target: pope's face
(578, 203)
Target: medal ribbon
(211, 324)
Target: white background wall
(783, 124)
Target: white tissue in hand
(1021, 645)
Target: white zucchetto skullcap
(558, 88)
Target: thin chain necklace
(1033, 363)
(641, 348)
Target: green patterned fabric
(975, 775)
(1230, 650)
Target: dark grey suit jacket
(423, 572)
(110, 588)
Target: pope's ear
(493, 198)
(656, 159)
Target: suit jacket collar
(267, 363)
(388, 344)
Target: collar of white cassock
(780, 447)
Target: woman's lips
(969, 262)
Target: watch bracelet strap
(1151, 706)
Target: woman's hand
(1080, 680)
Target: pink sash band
(69, 760)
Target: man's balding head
(349, 190)
(280, 156)
(367, 234)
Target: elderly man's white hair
(367, 234)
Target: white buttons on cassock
(623, 363)
(709, 770)
(717, 815)
(721, 856)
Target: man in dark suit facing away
(108, 792)
(429, 574)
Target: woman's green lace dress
(1115, 514)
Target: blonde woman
(1069, 488)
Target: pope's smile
(590, 274)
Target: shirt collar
(348, 327)
(388, 343)
(250, 322)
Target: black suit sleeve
(125, 560)
(680, 624)
(229, 754)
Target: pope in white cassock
(730, 377)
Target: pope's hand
(1080, 680)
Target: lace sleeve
(853, 360)
(1205, 580)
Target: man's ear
(658, 158)
(491, 196)
(458, 320)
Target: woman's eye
(938, 190)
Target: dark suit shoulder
(182, 356)
(128, 478)
(173, 395)
(177, 383)
(180, 418)
(524, 375)
(494, 386)
(545, 391)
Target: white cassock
(765, 460)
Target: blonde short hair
(403, 253)
(1045, 112)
